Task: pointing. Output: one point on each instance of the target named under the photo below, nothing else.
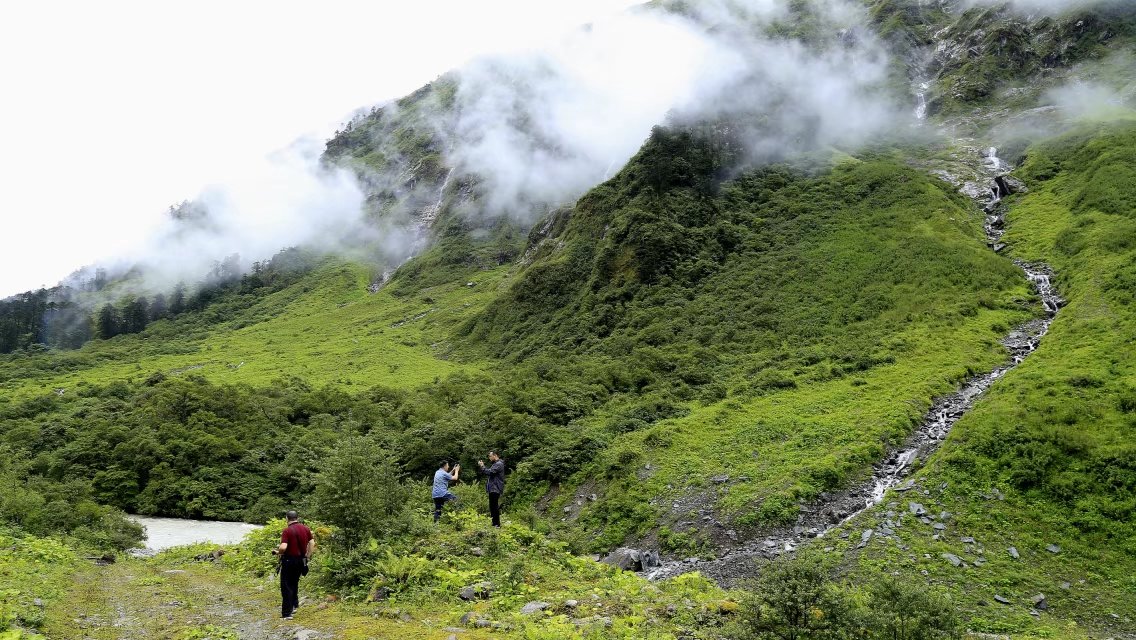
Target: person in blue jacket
(441, 493)
(494, 484)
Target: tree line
(67, 317)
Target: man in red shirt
(296, 547)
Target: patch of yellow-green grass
(34, 574)
(326, 329)
(789, 445)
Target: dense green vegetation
(1048, 457)
(783, 326)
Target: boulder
(1039, 602)
(379, 594)
(535, 606)
(624, 558)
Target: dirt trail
(136, 599)
(165, 599)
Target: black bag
(304, 569)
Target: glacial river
(163, 533)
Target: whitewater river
(163, 533)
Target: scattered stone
(952, 558)
(482, 623)
(925, 520)
(307, 634)
(649, 560)
(535, 606)
(405, 617)
(567, 509)
(466, 594)
(571, 604)
(1039, 602)
(476, 551)
(599, 621)
(939, 526)
(1065, 586)
(593, 497)
(1014, 553)
(1001, 600)
(174, 572)
(38, 602)
(968, 540)
(452, 636)
(722, 479)
(1052, 548)
(468, 617)
(867, 535)
(978, 562)
(917, 509)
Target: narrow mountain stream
(835, 509)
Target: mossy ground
(175, 596)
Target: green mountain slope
(693, 355)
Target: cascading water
(992, 159)
(819, 519)
(921, 101)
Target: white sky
(111, 111)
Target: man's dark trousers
(495, 508)
(290, 569)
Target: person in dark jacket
(296, 547)
(494, 484)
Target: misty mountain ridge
(730, 283)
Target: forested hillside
(713, 355)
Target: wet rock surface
(741, 562)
